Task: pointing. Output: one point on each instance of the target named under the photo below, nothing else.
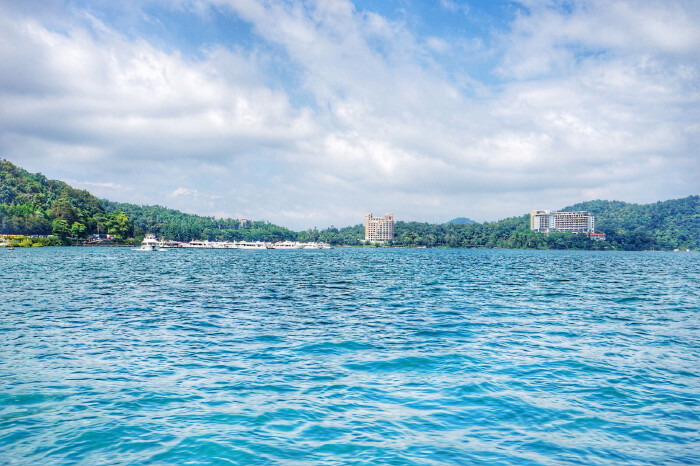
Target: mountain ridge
(461, 220)
(33, 204)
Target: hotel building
(544, 221)
(379, 229)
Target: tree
(63, 210)
(78, 230)
(119, 225)
(100, 222)
(60, 228)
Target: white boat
(206, 244)
(149, 243)
(198, 244)
(252, 245)
(315, 245)
(288, 245)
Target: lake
(349, 356)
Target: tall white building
(379, 229)
(544, 221)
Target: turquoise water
(349, 356)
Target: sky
(312, 113)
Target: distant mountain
(460, 221)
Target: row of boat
(151, 243)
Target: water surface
(349, 356)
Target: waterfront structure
(544, 221)
(597, 236)
(379, 229)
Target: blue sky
(310, 113)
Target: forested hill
(32, 204)
(666, 225)
(176, 225)
(461, 220)
(662, 225)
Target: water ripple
(349, 356)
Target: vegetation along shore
(37, 211)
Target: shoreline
(133, 246)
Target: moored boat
(198, 244)
(288, 245)
(258, 245)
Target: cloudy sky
(312, 113)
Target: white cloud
(98, 184)
(454, 6)
(596, 101)
(184, 192)
(550, 39)
(437, 44)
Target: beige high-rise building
(544, 221)
(379, 229)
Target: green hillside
(666, 225)
(31, 204)
(663, 225)
(179, 226)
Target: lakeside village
(378, 230)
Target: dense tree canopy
(179, 226)
(32, 204)
(664, 225)
(667, 225)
